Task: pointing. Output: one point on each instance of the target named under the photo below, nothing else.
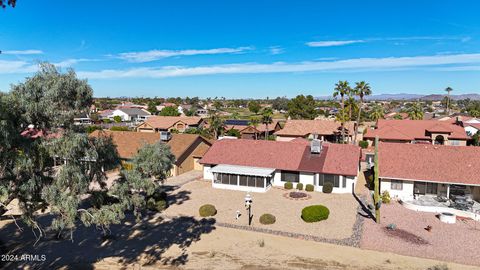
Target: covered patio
(242, 177)
(438, 204)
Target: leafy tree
(152, 108)
(416, 111)
(254, 106)
(476, 139)
(218, 105)
(280, 104)
(362, 89)
(302, 107)
(154, 161)
(267, 114)
(376, 112)
(342, 88)
(169, 111)
(233, 132)
(117, 119)
(397, 117)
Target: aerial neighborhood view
(239, 135)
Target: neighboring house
(202, 112)
(417, 131)
(131, 105)
(166, 104)
(184, 108)
(131, 114)
(247, 131)
(169, 123)
(105, 114)
(392, 115)
(82, 119)
(408, 170)
(327, 130)
(188, 149)
(470, 124)
(256, 165)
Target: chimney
(165, 136)
(315, 145)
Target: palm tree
(341, 89)
(376, 113)
(267, 114)
(217, 124)
(448, 90)
(362, 89)
(351, 106)
(416, 111)
(254, 121)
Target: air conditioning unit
(165, 136)
(315, 146)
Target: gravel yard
(339, 225)
(458, 242)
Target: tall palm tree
(351, 107)
(376, 113)
(254, 121)
(267, 114)
(341, 89)
(448, 90)
(217, 124)
(362, 89)
(416, 111)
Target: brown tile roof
(260, 127)
(128, 143)
(165, 122)
(414, 129)
(439, 163)
(295, 155)
(305, 127)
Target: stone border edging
(287, 196)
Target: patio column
(448, 191)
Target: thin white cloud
(332, 43)
(22, 52)
(352, 65)
(274, 50)
(148, 56)
(15, 67)
(71, 62)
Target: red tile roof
(439, 163)
(414, 130)
(305, 127)
(341, 159)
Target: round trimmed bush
(327, 187)
(309, 188)
(207, 210)
(300, 186)
(315, 213)
(288, 185)
(267, 219)
(363, 144)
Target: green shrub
(300, 186)
(288, 185)
(386, 197)
(158, 206)
(267, 219)
(119, 128)
(314, 213)
(159, 195)
(207, 210)
(327, 187)
(117, 119)
(309, 187)
(363, 144)
(92, 128)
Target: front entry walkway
(184, 178)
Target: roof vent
(165, 136)
(315, 146)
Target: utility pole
(376, 191)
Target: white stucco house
(130, 114)
(257, 165)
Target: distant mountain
(401, 96)
(454, 97)
(404, 96)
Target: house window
(329, 178)
(251, 181)
(396, 185)
(290, 176)
(344, 182)
(454, 142)
(243, 180)
(432, 188)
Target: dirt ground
(234, 249)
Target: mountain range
(405, 96)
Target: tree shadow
(142, 242)
(176, 197)
(367, 213)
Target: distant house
(256, 165)
(130, 114)
(417, 131)
(470, 124)
(202, 112)
(169, 123)
(82, 119)
(327, 130)
(411, 170)
(247, 131)
(166, 104)
(183, 108)
(188, 149)
(394, 115)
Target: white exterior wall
(207, 175)
(240, 188)
(349, 188)
(284, 139)
(305, 178)
(124, 116)
(405, 194)
(471, 130)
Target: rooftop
(165, 122)
(305, 127)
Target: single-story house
(82, 119)
(169, 123)
(256, 165)
(418, 131)
(247, 131)
(188, 149)
(130, 114)
(407, 170)
(327, 130)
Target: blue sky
(246, 48)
